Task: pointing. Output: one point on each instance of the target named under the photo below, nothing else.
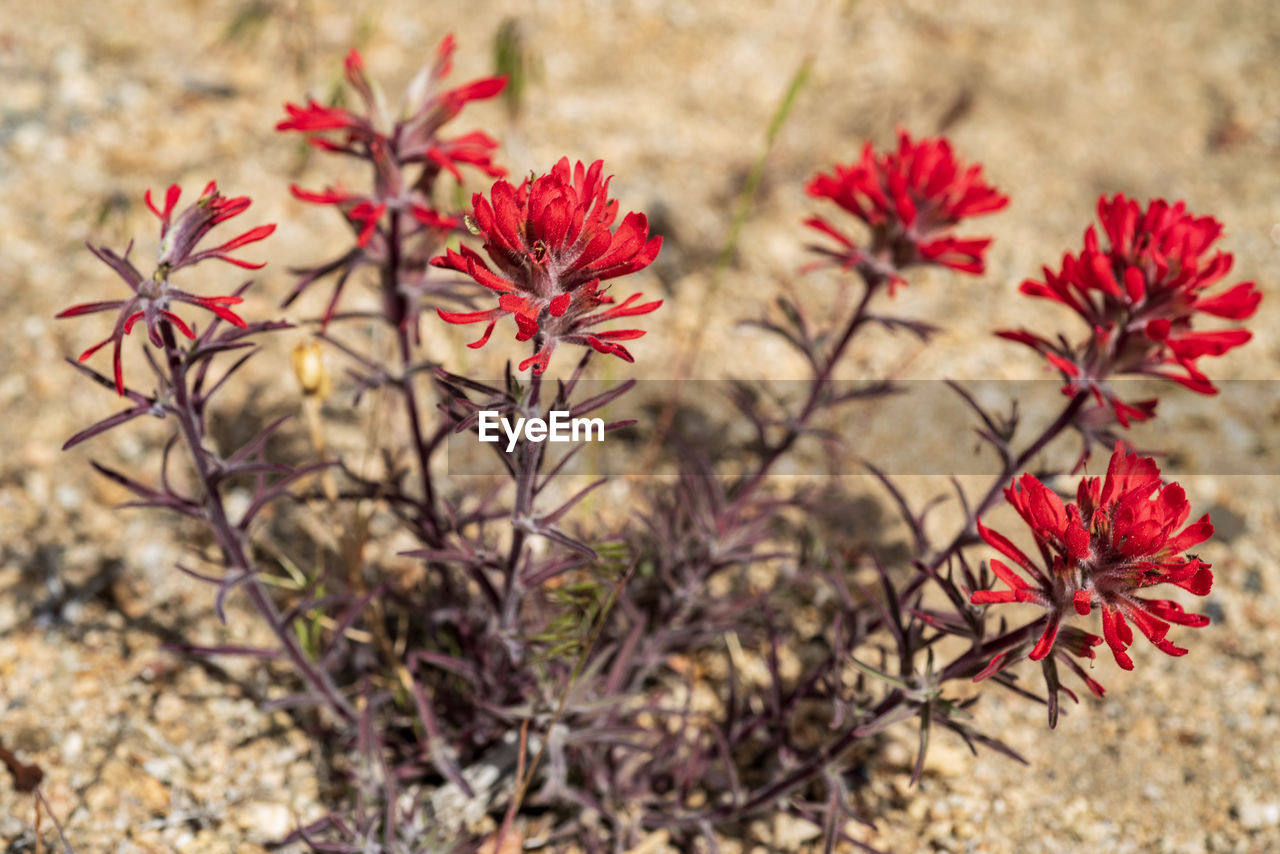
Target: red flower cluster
(1139, 294)
(911, 198)
(153, 297)
(1124, 534)
(392, 148)
(414, 139)
(551, 242)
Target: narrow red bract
(154, 296)
(1125, 532)
(911, 198)
(1140, 294)
(551, 244)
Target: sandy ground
(1061, 102)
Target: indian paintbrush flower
(407, 154)
(1126, 532)
(414, 138)
(1139, 294)
(911, 199)
(154, 296)
(552, 243)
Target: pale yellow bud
(310, 369)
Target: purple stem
(528, 461)
(397, 311)
(229, 538)
(873, 280)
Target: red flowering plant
(1139, 294)
(555, 243)
(911, 199)
(501, 624)
(1125, 532)
(399, 223)
(183, 391)
(552, 242)
(455, 635)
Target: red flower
(1124, 534)
(154, 296)
(1139, 295)
(551, 243)
(178, 239)
(407, 156)
(911, 199)
(414, 139)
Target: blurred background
(1059, 102)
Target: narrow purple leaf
(601, 400)
(229, 649)
(555, 515)
(106, 424)
(441, 755)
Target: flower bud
(310, 370)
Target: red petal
(483, 339)
(469, 316)
(1045, 644)
(1237, 303)
(993, 667)
(1118, 636)
(328, 196)
(1002, 544)
(559, 305)
(89, 308)
(178, 323)
(1067, 367)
